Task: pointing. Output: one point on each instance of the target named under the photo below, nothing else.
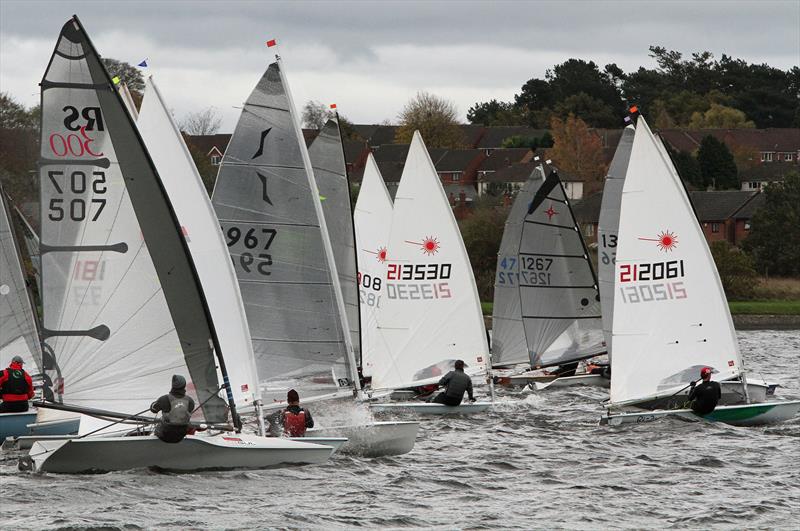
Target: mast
(326, 240)
(355, 250)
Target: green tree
(720, 117)
(495, 112)
(717, 165)
(774, 240)
(207, 171)
(533, 142)
(128, 74)
(14, 115)
(591, 110)
(736, 271)
(688, 168)
(435, 118)
(482, 232)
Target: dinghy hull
(732, 394)
(193, 454)
(374, 440)
(596, 380)
(15, 424)
(426, 408)
(738, 415)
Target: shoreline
(766, 322)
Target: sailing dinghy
(670, 316)
(19, 334)
(269, 206)
(546, 304)
(431, 315)
(123, 304)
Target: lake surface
(537, 461)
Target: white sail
(432, 314)
(607, 228)
(670, 312)
(123, 309)
(373, 219)
(18, 332)
(201, 230)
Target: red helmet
(705, 372)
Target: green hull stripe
(742, 413)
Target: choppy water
(538, 461)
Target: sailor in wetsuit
(455, 383)
(704, 397)
(176, 409)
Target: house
(212, 146)
(723, 215)
(460, 167)
(720, 212)
(758, 176)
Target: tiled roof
(750, 207)
(719, 205)
(772, 139)
(501, 158)
(457, 159)
(768, 171)
(353, 149)
(391, 153)
(516, 173)
(205, 143)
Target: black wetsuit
(705, 397)
(455, 384)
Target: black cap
(292, 396)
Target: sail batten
(546, 298)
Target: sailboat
(431, 314)
(547, 304)
(670, 314)
(19, 333)
(269, 206)
(123, 304)
(373, 220)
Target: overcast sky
(369, 57)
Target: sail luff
(326, 240)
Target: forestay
(191, 203)
(265, 204)
(431, 314)
(18, 331)
(123, 309)
(327, 160)
(607, 229)
(670, 313)
(557, 287)
(373, 219)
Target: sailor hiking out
(455, 383)
(16, 387)
(704, 397)
(176, 411)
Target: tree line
(696, 92)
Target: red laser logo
(666, 241)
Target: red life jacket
(294, 424)
(16, 385)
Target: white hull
(426, 408)
(732, 394)
(334, 441)
(194, 453)
(739, 415)
(374, 440)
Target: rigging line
(96, 369)
(102, 253)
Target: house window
(766, 157)
(754, 185)
(215, 160)
(456, 176)
(747, 225)
(715, 227)
(589, 231)
(787, 157)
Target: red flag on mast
(271, 43)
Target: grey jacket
(455, 384)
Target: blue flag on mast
(143, 64)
